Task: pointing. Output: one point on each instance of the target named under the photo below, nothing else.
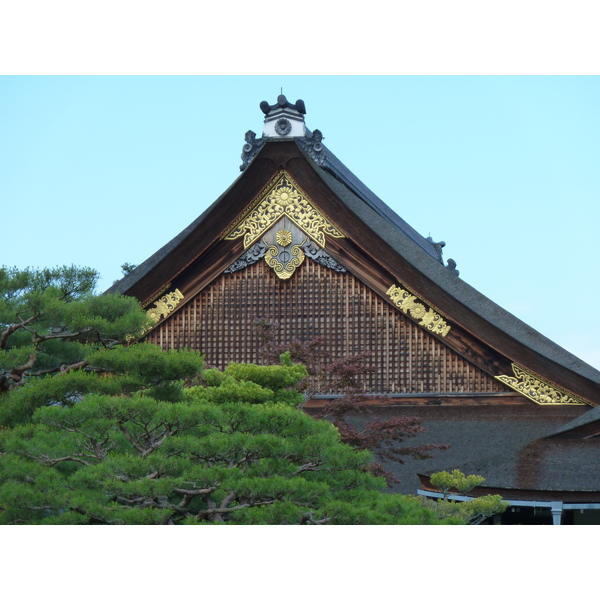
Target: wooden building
(298, 239)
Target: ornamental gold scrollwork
(282, 197)
(284, 270)
(410, 304)
(165, 306)
(539, 390)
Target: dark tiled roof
(421, 253)
(334, 166)
(587, 418)
(505, 445)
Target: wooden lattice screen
(318, 301)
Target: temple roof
(384, 235)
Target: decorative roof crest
(283, 119)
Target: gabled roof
(383, 236)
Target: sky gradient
(99, 171)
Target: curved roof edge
(126, 283)
(335, 166)
(388, 226)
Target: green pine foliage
(138, 460)
(473, 511)
(252, 384)
(52, 322)
(94, 430)
(124, 371)
(60, 341)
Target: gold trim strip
(539, 390)
(418, 309)
(165, 305)
(282, 197)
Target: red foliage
(307, 353)
(382, 437)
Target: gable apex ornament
(284, 219)
(284, 120)
(282, 197)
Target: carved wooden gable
(286, 275)
(319, 301)
(312, 250)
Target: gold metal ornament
(283, 237)
(283, 197)
(537, 389)
(418, 309)
(165, 305)
(284, 270)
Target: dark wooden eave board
(523, 494)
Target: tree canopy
(51, 321)
(234, 449)
(95, 429)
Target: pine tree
(95, 429)
(234, 449)
(51, 321)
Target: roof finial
(284, 119)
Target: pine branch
(45, 460)
(15, 327)
(218, 511)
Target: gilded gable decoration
(284, 263)
(418, 309)
(258, 251)
(282, 198)
(537, 389)
(165, 305)
(283, 225)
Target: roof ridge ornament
(312, 143)
(283, 119)
(250, 148)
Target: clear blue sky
(99, 171)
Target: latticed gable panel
(319, 302)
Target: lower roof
(505, 445)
